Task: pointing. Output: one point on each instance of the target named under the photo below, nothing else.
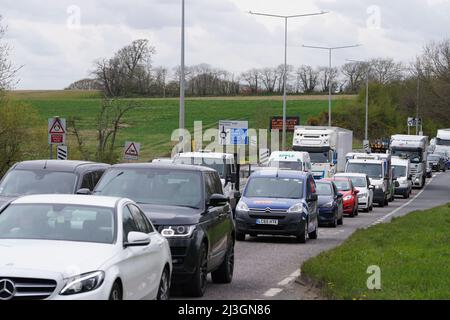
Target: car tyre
(225, 272)
(116, 292)
(164, 286)
(314, 235)
(341, 220)
(335, 222)
(301, 237)
(240, 236)
(196, 287)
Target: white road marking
(275, 291)
(381, 220)
(272, 292)
(290, 279)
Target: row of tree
(130, 73)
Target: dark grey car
(187, 206)
(49, 177)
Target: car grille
(413, 171)
(276, 214)
(32, 289)
(257, 211)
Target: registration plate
(269, 222)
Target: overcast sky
(57, 40)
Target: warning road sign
(132, 151)
(56, 131)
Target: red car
(350, 195)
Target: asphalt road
(267, 267)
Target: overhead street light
(286, 18)
(182, 77)
(330, 49)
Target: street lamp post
(285, 60)
(182, 77)
(330, 50)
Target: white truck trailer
(443, 141)
(415, 148)
(327, 147)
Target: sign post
(57, 130)
(132, 151)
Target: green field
(154, 121)
(413, 253)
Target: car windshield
(28, 182)
(342, 185)
(373, 170)
(212, 163)
(154, 186)
(442, 142)
(324, 189)
(274, 188)
(290, 165)
(58, 222)
(414, 155)
(399, 171)
(358, 182)
(321, 157)
(433, 158)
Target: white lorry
(291, 160)
(442, 144)
(224, 163)
(415, 148)
(327, 147)
(379, 169)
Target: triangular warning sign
(57, 128)
(132, 151)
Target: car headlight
(178, 231)
(296, 208)
(346, 198)
(242, 206)
(328, 205)
(83, 283)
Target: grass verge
(413, 253)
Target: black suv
(187, 206)
(49, 177)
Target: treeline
(130, 72)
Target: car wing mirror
(218, 200)
(137, 239)
(84, 191)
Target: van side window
(87, 182)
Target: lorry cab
(224, 163)
(379, 169)
(290, 160)
(415, 148)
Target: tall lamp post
(182, 77)
(286, 18)
(330, 50)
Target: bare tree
(269, 79)
(8, 71)
(329, 77)
(385, 71)
(307, 79)
(354, 73)
(128, 72)
(252, 78)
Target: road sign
(132, 151)
(62, 153)
(57, 131)
(366, 145)
(233, 133)
(412, 122)
(276, 123)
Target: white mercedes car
(67, 247)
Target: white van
(290, 160)
(402, 168)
